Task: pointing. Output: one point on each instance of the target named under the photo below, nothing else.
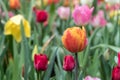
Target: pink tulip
(82, 15)
(99, 20)
(63, 12)
(91, 78)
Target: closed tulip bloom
(74, 39)
(63, 12)
(91, 78)
(41, 16)
(68, 63)
(40, 62)
(82, 15)
(14, 4)
(12, 27)
(116, 70)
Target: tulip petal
(16, 32)
(26, 28)
(8, 28)
(17, 19)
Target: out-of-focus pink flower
(112, 7)
(99, 20)
(10, 14)
(82, 14)
(68, 63)
(63, 12)
(116, 70)
(41, 16)
(91, 78)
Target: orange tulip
(53, 1)
(14, 4)
(66, 2)
(74, 39)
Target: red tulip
(68, 63)
(41, 16)
(116, 70)
(40, 62)
(116, 73)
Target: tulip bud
(41, 16)
(40, 62)
(14, 4)
(116, 70)
(74, 39)
(82, 15)
(68, 63)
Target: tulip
(39, 4)
(63, 12)
(14, 4)
(74, 39)
(114, 13)
(116, 70)
(12, 27)
(82, 15)
(91, 78)
(99, 20)
(53, 1)
(41, 16)
(66, 2)
(40, 62)
(68, 63)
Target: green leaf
(105, 69)
(26, 53)
(2, 45)
(50, 66)
(116, 49)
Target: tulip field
(59, 39)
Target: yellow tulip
(114, 13)
(12, 27)
(74, 39)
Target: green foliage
(16, 63)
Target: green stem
(69, 75)
(119, 28)
(26, 51)
(42, 4)
(76, 66)
(38, 75)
